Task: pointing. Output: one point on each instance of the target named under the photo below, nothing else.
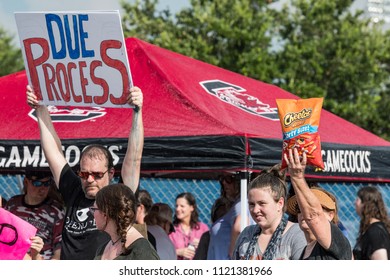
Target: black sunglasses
(228, 179)
(37, 183)
(96, 175)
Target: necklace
(114, 242)
(186, 236)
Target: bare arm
(50, 142)
(309, 204)
(380, 254)
(131, 167)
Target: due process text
(68, 79)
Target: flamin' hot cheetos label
(300, 120)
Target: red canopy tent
(199, 120)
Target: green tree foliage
(10, 56)
(227, 33)
(311, 48)
(332, 53)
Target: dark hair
(55, 194)
(33, 174)
(273, 178)
(220, 207)
(118, 202)
(373, 206)
(194, 215)
(236, 180)
(291, 217)
(160, 214)
(143, 197)
(95, 151)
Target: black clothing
(140, 249)
(376, 237)
(80, 237)
(339, 249)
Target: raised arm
(50, 142)
(309, 204)
(131, 167)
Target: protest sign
(15, 236)
(75, 58)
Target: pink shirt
(182, 240)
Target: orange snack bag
(300, 120)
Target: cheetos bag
(300, 120)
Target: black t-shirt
(376, 237)
(152, 240)
(340, 248)
(80, 237)
(203, 247)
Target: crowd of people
(83, 216)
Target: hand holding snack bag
(300, 120)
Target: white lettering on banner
(23, 156)
(113, 150)
(347, 161)
(30, 158)
(75, 150)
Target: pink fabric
(181, 240)
(15, 236)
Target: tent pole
(244, 198)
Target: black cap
(36, 175)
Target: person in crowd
(40, 207)
(115, 210)
(159, 222)
(145, 202)
(36, 243)
(220, 207)
(373, 241)
(294, 217)
(273, 236)
(80, 236)
(317, 214)
(225, 230)
(188, 228)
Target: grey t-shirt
(291, 246)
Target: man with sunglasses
(80, 237)
(39, 207)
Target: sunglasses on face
(37, 183)
(96, 175)
(227, 179)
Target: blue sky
(8, 7)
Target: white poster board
(75, 58)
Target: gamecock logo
(237, 96)
(72, 115)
